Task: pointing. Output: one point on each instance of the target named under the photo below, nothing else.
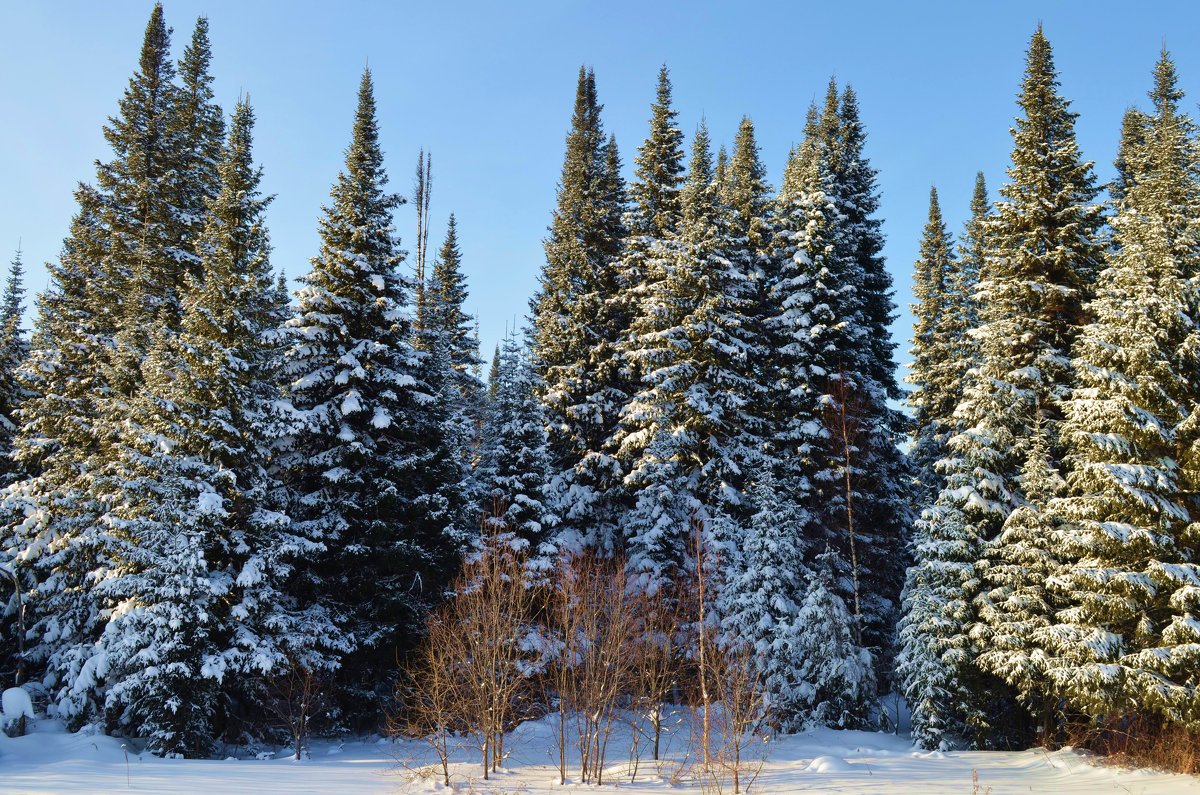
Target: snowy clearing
(52, 761)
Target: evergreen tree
(514, 464)
(447, 336)
(1015, 605)
(866, 426)
(933, 373)
(366, 464)
(168, 138)
(576, 326)
(14, 350)
(747, 193)
(1125, 636)
(801, 289)
(687, 433)
(198, 132)
(203, 549)
(448, 292)
(963, 317)
(120, 265)
(761, 594)
(493, 381)
(1043, 250)
(836, 674)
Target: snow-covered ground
(52, 761)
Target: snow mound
(14, 704)
(829, 764)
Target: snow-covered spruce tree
(124, 257)
(963, 316)
(802, 283)
(447, 337)
(1125, 637)
(166, 173)
(819, 336)
(202, 552)
(1015, 605)
(514, 460)
(689, 433)
(1042, 252)
(198, 132)
(1130, 150)
(866, 428)
(493, 380)
(448, 292)
(943, 348)
(576, 326)
(745, 190)
(933, 375)
(368, 467)
(762, 587)
(14, 350)
(747, 195)
(835, 674)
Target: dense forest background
(223, 501)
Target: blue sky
(487, 87)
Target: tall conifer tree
(1043, 251)
(689, 433)
(1125, 636)
(367, 463)
(576, 326)
(933, 374)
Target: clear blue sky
(488, 88)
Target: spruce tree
(866, 422)
(576, 326)
(493, 381)
(836, 674)
(118, 275)
(204, 550)
(1124, 638)
(14, 350)
(746, 190)
(687, 434)
(760, 598)
(1015, 604)
(367, 465)
(1042, 253)
(198, 130)
(514, 465)
(963, 317)
(932, 372)
(447, 336)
